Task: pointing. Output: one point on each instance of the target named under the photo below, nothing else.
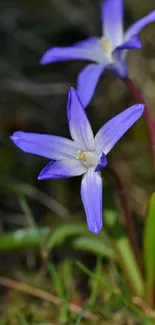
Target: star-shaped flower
(84, 155)
(108, 51)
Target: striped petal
(89, 49)
(91, 194)
(62, 169)
(49, 146)
(112, 21)
(79, 125)
(135, 28)
(112, 131)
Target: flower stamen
(82, 155)
(107, 45)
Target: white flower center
(89, 159)
(108, 48)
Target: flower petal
(135, 28)
(120, 52)
(102, 163)
(62, 169)
(89, 49)
(49, 146)
(79, 125)
(91, 194)
(133, 43)
(114, 129)
(119, 67)
(87, 81)
(112, 20)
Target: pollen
(107, 46)
(82, 155)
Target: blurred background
(44, 240)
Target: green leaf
(124, 253)
(81, 239)
(98, 246)
(62, 232)
(149, 252)
(23, 239)
(129, 266)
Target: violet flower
(107, 51)
(84, 155)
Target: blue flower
(109, 51)
(84, 155)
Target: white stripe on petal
(79, 125)
(91, 194)
(49, 146)
(113, 130)
(62, 169)
(112, 21)
(88, 49)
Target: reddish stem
(128, 216)
(150, 123)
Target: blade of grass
(115, 292)
(30, 191)
(60, 291)
(149, 253)
(129, 266)
(67, 278)
(27, 212)
(56, 281)
(79, 318)
(124, 253)
(95, 284)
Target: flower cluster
(85, 154)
